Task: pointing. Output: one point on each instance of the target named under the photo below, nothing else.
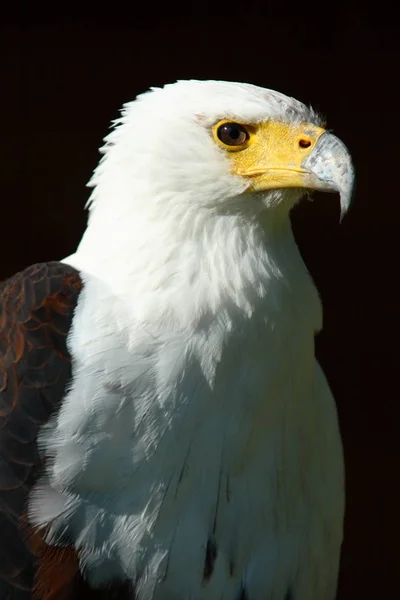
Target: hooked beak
(331, 169)
(283, 155)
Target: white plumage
(197, 415)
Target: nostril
(304, 143)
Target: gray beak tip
(332, 169)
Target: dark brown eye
(232, 134)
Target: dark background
(64, 78)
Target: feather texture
(196, 451)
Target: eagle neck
(182, 265)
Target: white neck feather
(177, 264)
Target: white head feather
(166, 203)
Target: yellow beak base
(273, 155)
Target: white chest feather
(199, 456)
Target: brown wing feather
(36, 309)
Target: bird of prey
(166, 432)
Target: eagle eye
(232, 134)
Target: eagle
(166, 432)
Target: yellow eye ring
(231, 135)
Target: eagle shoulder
(36, 311)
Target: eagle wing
(36, 310)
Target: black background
(64, 78)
